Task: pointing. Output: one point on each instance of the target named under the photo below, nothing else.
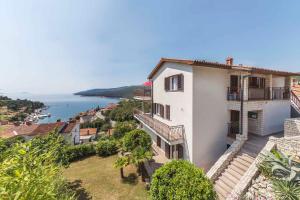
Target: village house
(87, 134)
(70, 131)
(199, 107)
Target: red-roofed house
(70, 131)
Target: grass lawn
(96, 178)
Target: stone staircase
(238, 166)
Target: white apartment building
(199, 107)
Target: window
(159, 109)
(174, 83)
(256, 82)
(168, 112)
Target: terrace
(172, 134)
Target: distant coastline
(119, 92)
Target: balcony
(267, 93)
(172, 134)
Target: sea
(64, 106)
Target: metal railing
(170, 133)
(267, 93)
(233, 94)
(295, 99)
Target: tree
(135, 139)
(122, 162)
(30, 171)
(180, 179)
(123, 127)
(136, 145)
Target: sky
(65, 46)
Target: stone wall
(292, 127)
(288, 145)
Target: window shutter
(180, 82)
(162, 112)
(167, 83)
(168, 112)
(154, 108)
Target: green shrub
(181, 180)
(78, 152)
(136, 139)
(30, 171)
(283, 172)
(105, 127)
(106, 147)
(123, 127)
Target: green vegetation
(123, 127)
(181, 180)
(106, 148)
(283, 172)
(17, 110)
(120, 92)
(78, 152)
(96, 178)
(32, 170)
(136, 148)
(124, 111)
(98, 123)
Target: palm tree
(140, 155)
(122, 162)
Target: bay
(64, 106)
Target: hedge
(106, 147)
(78, 152)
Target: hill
(120, 92)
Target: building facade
(198, 107)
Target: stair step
(247, 161)
(229, 181)
(225, 185)
(221, 191)
(237, 169)
(237, 175)
(240, 164)
(230, 177)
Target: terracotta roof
(43, 129)
(69, 127)
(88, 131)
(221, 66)
(7, 131)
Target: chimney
(229, 61)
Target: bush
(136, 139)
(78, 152)
(30, 171)
(123, 127)
(181, 180)
(106, 148)
(105, 127)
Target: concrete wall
(278, 81)
(180, 102)
(274, 114)
(210, 115)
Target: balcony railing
(259, 94)
(170, 133)
(233, 94)
(268, 93)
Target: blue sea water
(65, 106)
